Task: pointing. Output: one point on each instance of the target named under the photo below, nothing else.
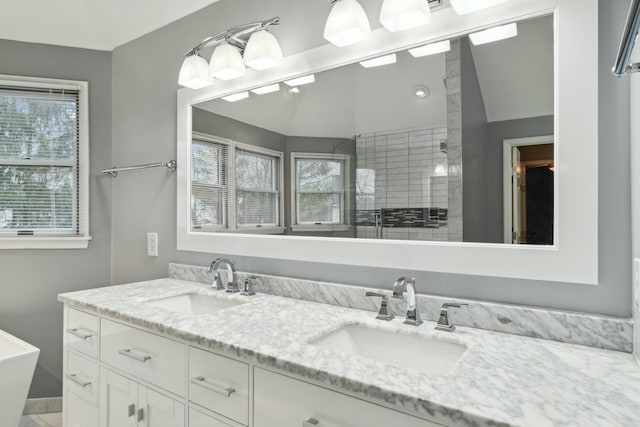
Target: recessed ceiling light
(266, 89)
(431, 49)
(377, 62)
(422, 91)
(301, 80)
(294, 90)
(494, 34)
(236, 96)
(462, 7)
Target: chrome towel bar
(171, 165)
(623, 60)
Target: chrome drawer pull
(82, 335)
(213, 386)
(74, 378)
(127, 352)
(132, 410)
(311, 422)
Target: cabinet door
(280, 401)
(79, 412)
(118, 400)
(158, 410)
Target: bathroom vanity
(171, 352)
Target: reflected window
(209, 184)
(320, 186)
(257, 189)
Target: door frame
(507, 171)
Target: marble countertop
(501, 379)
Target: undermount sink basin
(194, 304)
(424, 354)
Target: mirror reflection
(450, 146)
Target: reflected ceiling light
(381, 60)
(494, 34)
(262, 51)
(294, 90)
(236, 96)
(431, 49)
(266, 89)
(347, 23)
(399, 15)
(462, 7)
(300, 81)
(422, 91)
(194, 72)
(226, 62)
(440, 170)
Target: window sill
(40, 242)
(324, 227)
(245, 230)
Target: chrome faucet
(232, 281)
(409, 285)
(385, 312)
(443, 322)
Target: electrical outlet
(636, 283)
(152, 244)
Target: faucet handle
(385, 312)
(249, 288)
(443, 322)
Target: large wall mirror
(418, 163)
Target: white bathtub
(17, 363)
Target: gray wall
(32, 279)
(144, 116)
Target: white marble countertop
(501, 379)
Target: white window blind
(209, 185)
(257, 189)
(40, 162)
(319, 189)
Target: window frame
(344, 225)
(81, 202)
(232, 225)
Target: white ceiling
(90, 24)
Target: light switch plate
(152, 244)
(636, 283)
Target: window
(223, 171)
(43, 163)
(319, 190)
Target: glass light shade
(226, 62)
(347, 23)
(494, 34)
(262, 51)
(399, 15)
(431, 49)
(462, 7)
(194, 73)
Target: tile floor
(42, 420)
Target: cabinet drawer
(219, 384)
(153, 358)
(198, 419)
(83, 334)
(82, 378)
(80, 413)
(285, 402)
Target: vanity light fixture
(462, 7)
(400, 15)
(347, 23)
(259, 47)
(236, 97)
(266, 89)
(300, 81)
(494, 34)
(431, 49)
(379, 61)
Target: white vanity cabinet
(120, 375)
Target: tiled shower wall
(410, 182)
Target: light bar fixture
(494, 34)
(300, 81)
(431, 49)
(236, 97)
(259, 47)
(347, 23)
(400, 15)
(266, 89)
(379, 61)
(462, 7)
